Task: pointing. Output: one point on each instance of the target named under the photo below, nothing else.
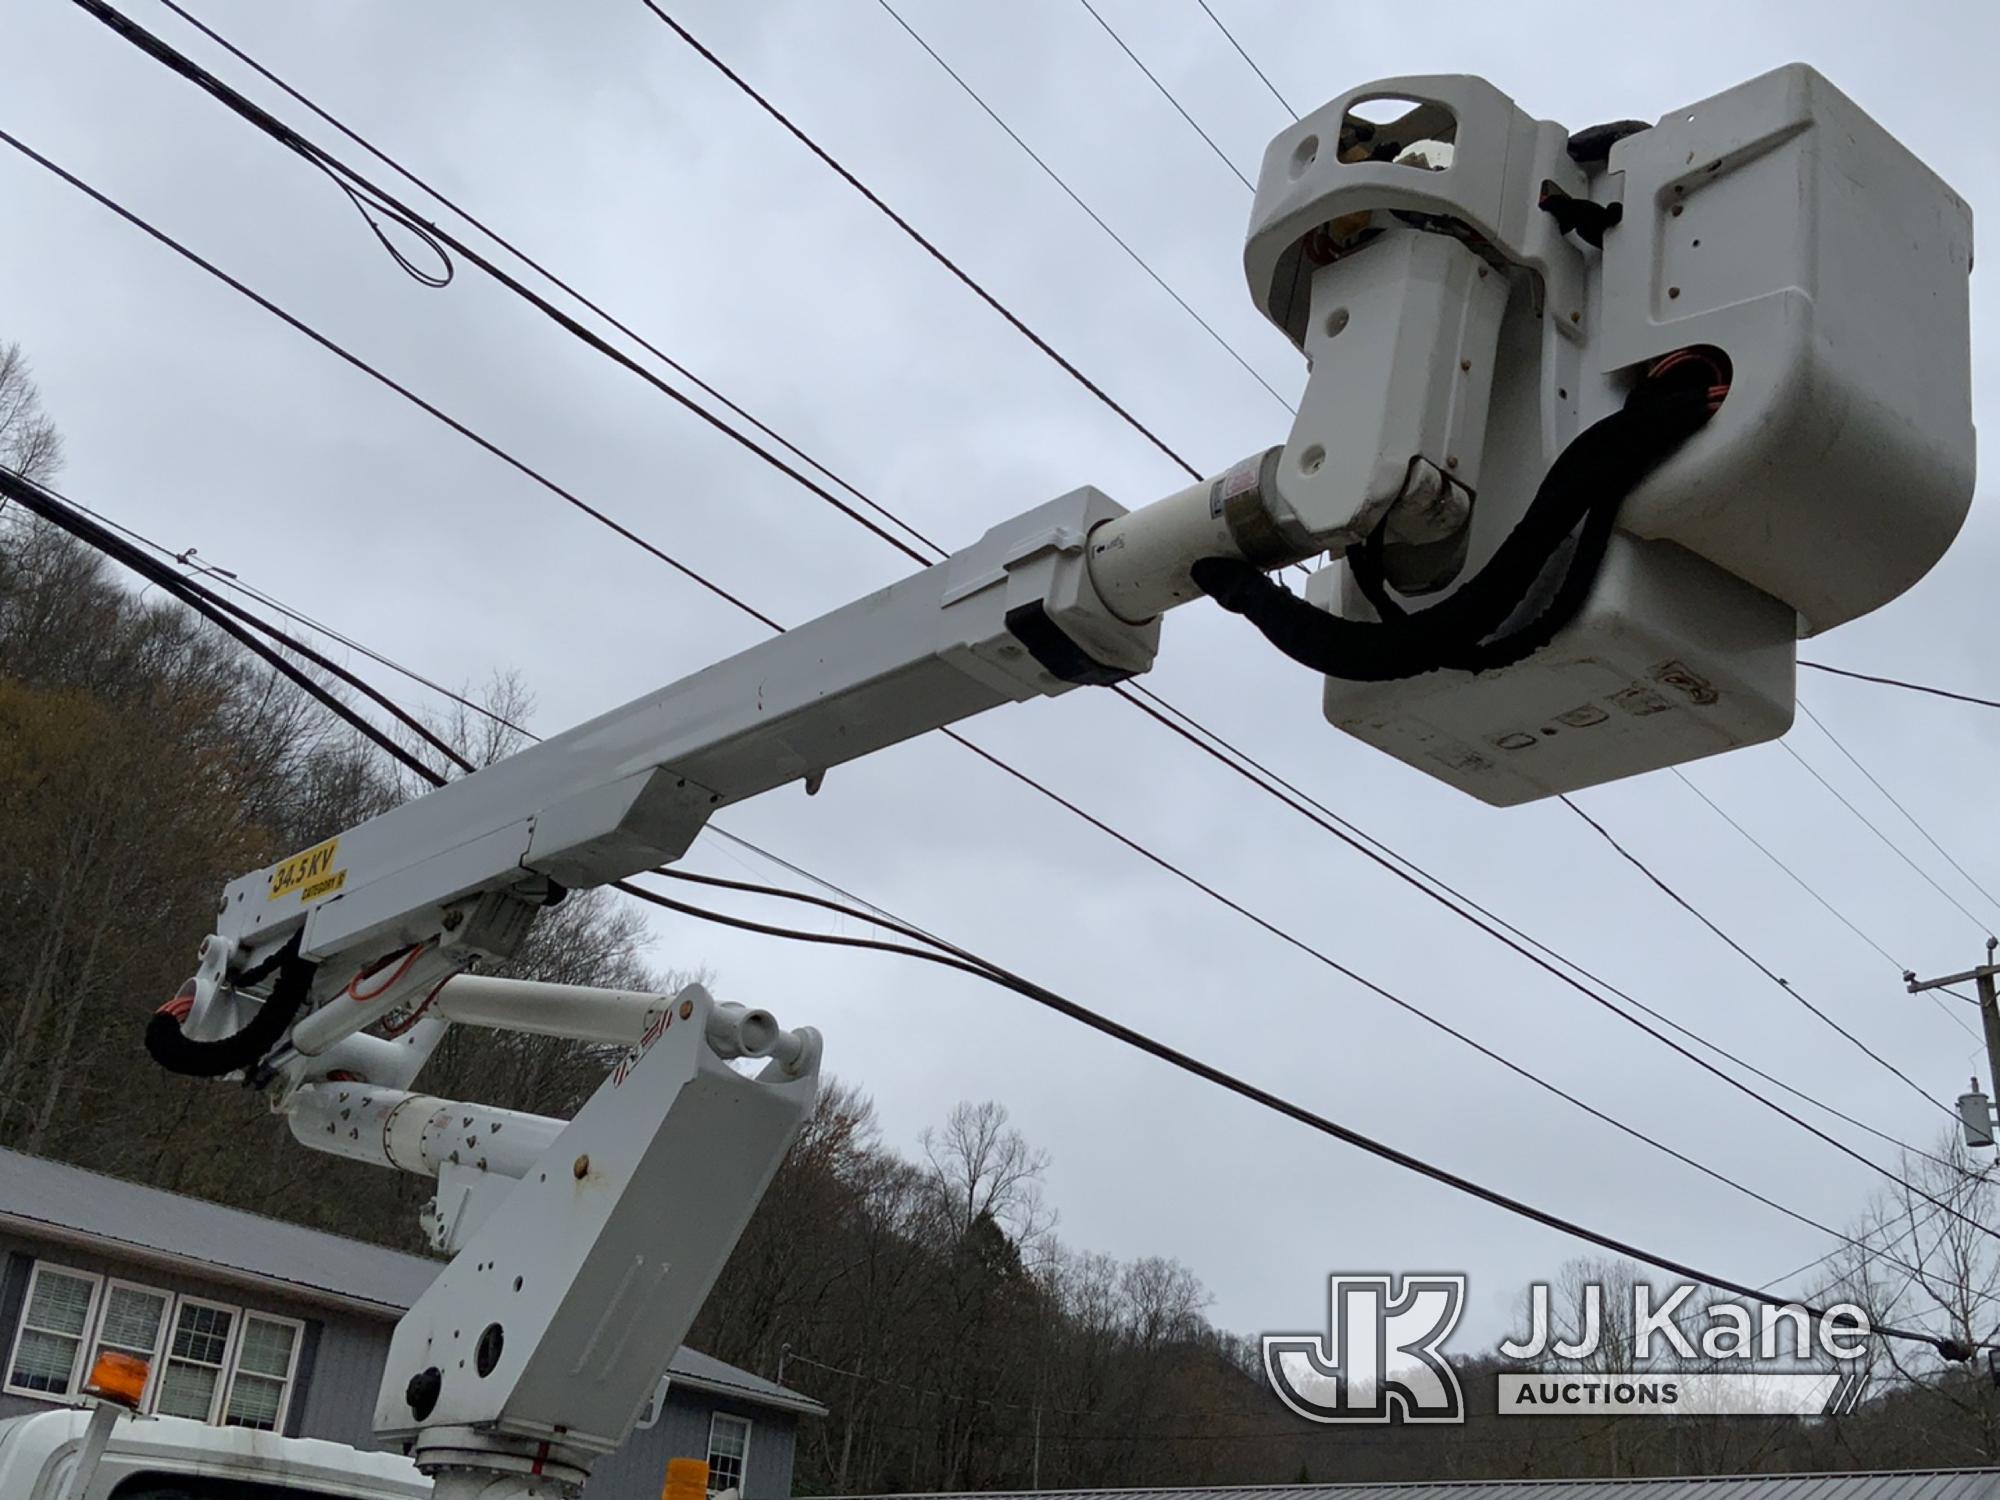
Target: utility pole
(1975, 1108)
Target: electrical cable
(604, 519)
(915, 234)
(1168, 95)
(1209, 1073)
(1747, 956)
(1806, 886)
(1909, 816)
(1262, 77)
(37, 499)
(1096, 218)
(539, 268)
(1897, 682)
(1985, 928)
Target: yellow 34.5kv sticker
(311, 874)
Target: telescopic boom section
(1067, 594)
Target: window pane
(728, 1447)
(61, 1304)
(729, 1437)
(187, 1391)
(267, 1347)
(254, 1402)
(44, 1362)
(132, 1319)
(202, 1333)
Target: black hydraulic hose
(1587, 483)
(177, 1052)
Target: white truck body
(170, 1458)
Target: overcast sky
(608, 148)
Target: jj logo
(1380, 1360)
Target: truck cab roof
(169, 1458)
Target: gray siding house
(255, 1323)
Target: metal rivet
(1465, 364)
(1576, 317)
(1450, 462)
(1673, 291)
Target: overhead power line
(915, 234)
(1908, 816)
(1908, 687)
(1803, 884)
(50, 506)
(1747, 956)
(1985, 928)
(1252, 771)
(1168, 95)
(1098, 219)
(1262, 76)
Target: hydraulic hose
(1585, 486)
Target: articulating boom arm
(1597, 424)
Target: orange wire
(408, 955)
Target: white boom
(1596, 425)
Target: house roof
(1916, 1484)
(54, 1200)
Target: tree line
(924, 1297)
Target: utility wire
(1797, 879)
(1985, 928)
(1908, 687)
(1168, 95)
(1096, 218)
(1909, 817)
(1262, 76)
(538, 268)
(1746, 955)
(221, 91)
(54, 508)
(911, 230)
(1804, 885)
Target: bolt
(1576, 317)
(1450, 462)
(1673, 291)
(582, 1168)
(1465, 364)
(453, 920)
(1676, 210)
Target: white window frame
(243, 1317)
(749, 1429)
(223, 1372)
(96, 1346)
(91, 1343)
(83, 1340)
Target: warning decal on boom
(311, 874)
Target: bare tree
(29, 442)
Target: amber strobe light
(117, 1377)
(687, 1479)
